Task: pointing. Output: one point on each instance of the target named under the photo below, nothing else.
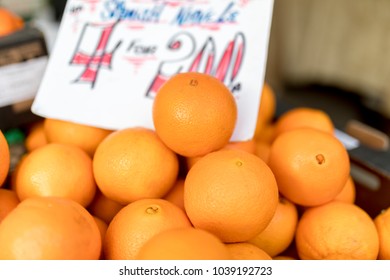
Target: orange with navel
(137, 222)
(232, 194)
(194, 114)
(310, 166)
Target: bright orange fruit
(137, 222)
(133, 163)
(56, 170)
(280, 232)
(49, 228)
(348, 192)
(303, 117)
(8, 201)
(194, 114)
(337, 230)
(232, 194)
(83, 136)
(310, 166)
(36, 137)
(382, 223)
(183, 244)
(246, 251)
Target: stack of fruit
(183, 190)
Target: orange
(267, 109)
(104, 208)
(36, 137)
(246, 251)
(194, 114)
(232, 194)
(280, 232)
(4, 159)
(49, 228)
(266, 134)
(263, 150)
(9, 22)
(8, 201)
(84, 136)
(304, 117)
(139, 221)
(382, 223)
(336, 230)
(176, 194)
(133, 163)
(183, 244)
(348, 192)
(190, 161)
(102, 226)
(248, 145)
(56, 170)
(310, 166)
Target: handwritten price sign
(112, 56)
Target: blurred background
(333, 54)
(44, 14)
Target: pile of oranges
(184, 190)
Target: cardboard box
(370, 168)
(23, 59)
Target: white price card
(111, 56)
